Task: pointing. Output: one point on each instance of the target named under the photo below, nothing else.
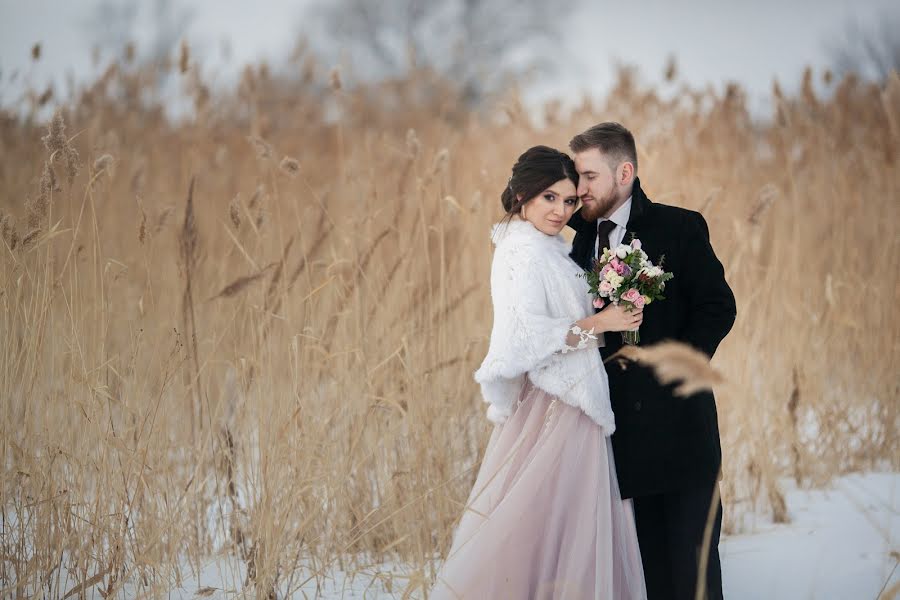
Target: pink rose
(618, 265)
(606, 269)
(605, 287)
(632, 296)
(599, 303)
(636, 244)
(639, 302)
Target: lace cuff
(579, 339)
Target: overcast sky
(714, 41)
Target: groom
(666, 448)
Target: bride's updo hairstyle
(536, 170)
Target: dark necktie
(604, 228)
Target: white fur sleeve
(524, 334)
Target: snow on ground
(843, 543)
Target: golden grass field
(252, 333)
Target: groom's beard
(599, 207)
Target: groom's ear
(626, 173)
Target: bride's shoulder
(518, 232)
(516, 240)
(518, 236)
(508, 228)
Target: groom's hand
(618, 318)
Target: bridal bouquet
(626, 275)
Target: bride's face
(550, 210)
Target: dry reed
(329, 418)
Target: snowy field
(842, 543)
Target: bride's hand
(618, 318)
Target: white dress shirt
(617, 235)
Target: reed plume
(674, 362)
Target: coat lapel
(640, 203)
(585, 238)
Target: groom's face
(597, 187)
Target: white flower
(623, 250)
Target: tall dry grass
(252, 334)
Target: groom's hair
(612, 139)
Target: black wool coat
(664, 443)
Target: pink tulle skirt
(545, 519)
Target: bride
(545, 518)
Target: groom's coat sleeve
(710, 302)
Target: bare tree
(110, 25)
(479, 44)
(871, 51)
(113, 25)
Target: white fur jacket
(538, 294)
